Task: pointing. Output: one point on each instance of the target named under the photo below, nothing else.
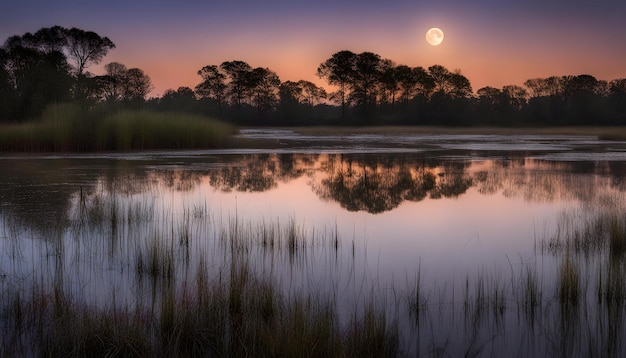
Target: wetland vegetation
(211, 253)
(68, 128)
(331, 241)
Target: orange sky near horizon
(491, 43)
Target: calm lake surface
(355, 216)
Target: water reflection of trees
(259, 172)
(365, 183)
(376, 183)
(547, 181)
(39, 192)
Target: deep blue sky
(492, 42)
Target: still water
(356, 215)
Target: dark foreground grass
(237, 317)
(231, 299)
(68, 128)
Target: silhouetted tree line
(50, 66)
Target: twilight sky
(492, 42)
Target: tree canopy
(50, 66)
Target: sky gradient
(493, 43)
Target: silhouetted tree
(536, 87)
(112, 83)
(122, 84)
(339, 71)
(415, 85)
(449, 102)
(366, 77)
(86, 47)
(298, 100)
(47, 39)
(181, 100)
(554, 86)
(452, 84)
(389, 83)
(238, 87)
(311, 93)
(581, 84)
(461, 86)
(617, 98)
(407, 82)
(517, 96)
(618, 86)
(35, 77)
(492, 105)
(440, 76)
(213, 84)
(136, 85)
(290, 94)
(6, 92)
(263, 86)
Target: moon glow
(434, 36)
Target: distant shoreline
(488, 130)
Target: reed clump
(69, 128)
(239, 316)
(590, 231)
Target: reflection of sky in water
(448, 215)
(508, 206)
(448, 235)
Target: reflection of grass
(531, 291)
(158, 262)
(617, 235)
(591, 231)
(228, 302)
(66, 127)
(569, 285)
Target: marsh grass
(222, 308)
(68, 128)
(590, 231)
(239, 295)
(131, 130)
(238, 317)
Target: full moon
(434, 36)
